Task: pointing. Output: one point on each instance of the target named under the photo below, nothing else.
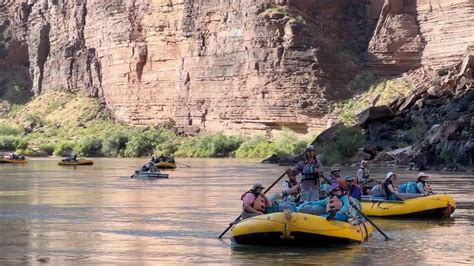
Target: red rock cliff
(228, 65)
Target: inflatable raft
(3, 160)
(298, 229)
(165, 165)
(77, 162)
(432, 206)
(149, 175)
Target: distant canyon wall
(235, 65)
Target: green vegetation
(261, 147)
(344, 145)
(367, 87)
(282, 12)
(61, 123)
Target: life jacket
(290, 185)
(310, 172)
(259, 203)
(334, 204)
(366, 173)
(385, 184)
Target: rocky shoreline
(432, 128)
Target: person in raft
(352, 188)
(334, 207)
(290, 190)
(254, 202)
(363, 178)
(310, 168)
(422, 186)
(390, 188)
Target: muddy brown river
(98, 215)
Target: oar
(363, 215)
(372, 223)
(238, 218)
(182, 164)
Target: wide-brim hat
(389, 174)
(257, 186)
(334, 169)
(334, 186)
(310, 148)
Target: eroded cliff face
(236, 65)
(414, 33)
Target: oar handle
(238, 218)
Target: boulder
(377, 113)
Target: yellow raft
(297, 229)
(3, 160)
(165, 165)
(432, 206)
(78, 162)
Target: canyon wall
(229, 65)
(414, 33)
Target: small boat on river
(431, 207)
(298, 229)
(149, 175)
(5, 160)
(76, 162)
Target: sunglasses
(349, 181)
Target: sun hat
(310, 148)
(334, 186)
(389, 174)
(257, 186)
(333, 169)
(423, 175)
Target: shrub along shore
(60, 123)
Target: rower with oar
(254, 202)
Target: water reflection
(97, 214)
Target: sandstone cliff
(226, 65)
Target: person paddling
(310, 168)
(254, 202)
(422, 185)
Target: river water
(98, 215)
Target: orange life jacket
(334, 204)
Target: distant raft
(165, 165)
(149, 175)
(77, 162)
(298, 229)
(431, 207)
(3, 160)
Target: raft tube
(78, 162)
(149, 175)
(431, 207)
(165, 165)
(298, 229)
(3, 160)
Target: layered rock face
(235, 66)
(208, 65)
(415, 33)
